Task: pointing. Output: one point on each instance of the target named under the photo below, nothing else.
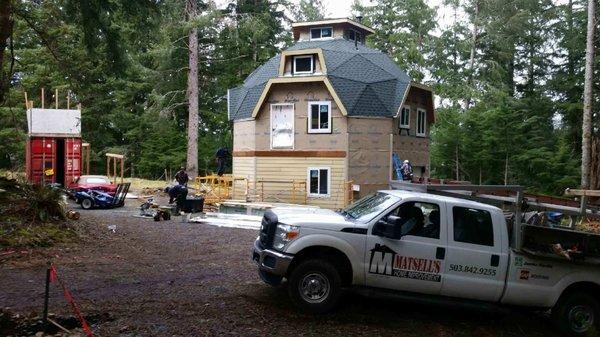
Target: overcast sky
(341, 8)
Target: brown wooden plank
(299, 153)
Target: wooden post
(43, 98)
(122, 168)
(69, 99)
(115, 169)
(56, 98)
(46, 296)
(87, 165)
(517, 231)
(108, 166)
(26, 101)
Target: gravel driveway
(187, 279)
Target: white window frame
(293, 126)
(401, 125)
(319, 130)
(312, 65)
(318, 195)
(423, 132)
(320, 33)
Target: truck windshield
(365, 209)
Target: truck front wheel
(315, 286)
(578, 314)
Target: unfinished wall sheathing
(406, 143)
(299, 94)
(369, 153)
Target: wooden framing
(299, 79)
(112, 157)
(85, 158)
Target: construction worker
(221, 157)
(182, 177)
(407, 171)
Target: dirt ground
(186, 279)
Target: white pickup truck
(420, 246)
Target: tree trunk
(506, 170)
(192, 93)
(587, 98)
(6, 26)
(457, 165)
(474, 33)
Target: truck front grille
(267, 229)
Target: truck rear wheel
(315, 286)
(578, 314)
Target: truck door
(415, 262)
(475, 261)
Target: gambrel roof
(366, 80)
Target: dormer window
(303, 65)
(353, 35)
(321, 33)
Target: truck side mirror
(386, 227)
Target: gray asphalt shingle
(367, 81)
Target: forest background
(508, 77)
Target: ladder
(397, 166)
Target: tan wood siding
(273, 168)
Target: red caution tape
(69, 297)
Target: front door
(475, 260)
(415, 262)
(282, 126)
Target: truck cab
(410, 243)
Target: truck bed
(581, 247)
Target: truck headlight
(284, 234)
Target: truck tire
(87, 203)
(315, 286)
(577, 314)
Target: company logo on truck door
(385, 261)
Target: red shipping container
(53, 160)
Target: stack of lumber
(589, 225)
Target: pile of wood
(589, 225)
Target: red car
(97, 183)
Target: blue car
(97, 199)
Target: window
(319, 117)
(321, 33)
(367, 208)
(318, 181)
(473, 226)
(418, 219)
(303, 64)
(404, 122)
(353, 35)
(97, 180)
(421, 122)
